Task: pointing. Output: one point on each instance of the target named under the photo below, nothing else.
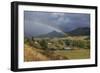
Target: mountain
(53, 34)
(80, 31)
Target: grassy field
(34, 54)
(75, 54)
(55, 49)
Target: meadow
(62, 48)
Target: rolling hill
(53, 34)
(80, 31)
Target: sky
(37, 23)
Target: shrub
(43, 44)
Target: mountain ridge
(80, 31)
(53, 34)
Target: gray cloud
(36, 23)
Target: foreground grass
(37, 49)
(34, 54)
(75, 54)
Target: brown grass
(76, 53)
(31, 54)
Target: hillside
(53, 34)
(32, 54)
(80, 31)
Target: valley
(56, 48)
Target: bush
(43, 44)
(68, 42)
(78, 43)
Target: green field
(75, 54)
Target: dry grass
(34, 54)
(76, 53)
(31, 54)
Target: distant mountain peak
(53, 34)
